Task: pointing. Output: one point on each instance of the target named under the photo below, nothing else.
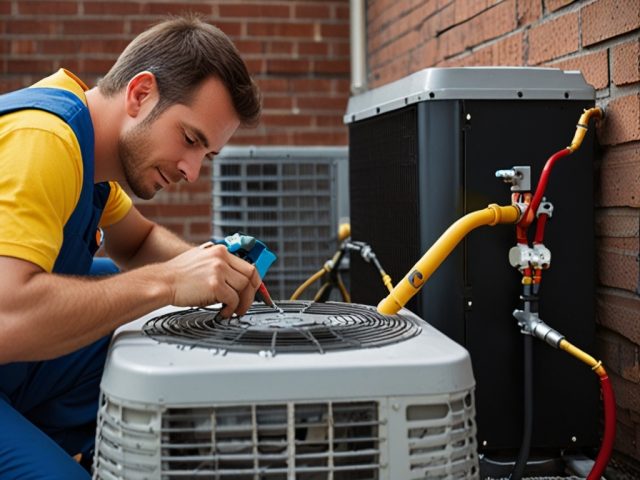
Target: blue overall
(48, 408)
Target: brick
(5, 8)
(416, 20)
(298, 30)
(329, 121)
(174, 8)
(619, 355)
(10, 84)
(311, 85)
(23, 47)
(606, 19)
(425, 55)
(622, 121)
(529, 11)
(340, 49)
(92, 27)
(618, 311)
(287, 120)
(492, 23)
(313, 48)
(617, 222)
(331, 66)
(341, 12)
(233, 29)
(553, 39)
(273, 85)
(505, 52)
(391, 51)
(266, 10)
(277, 102)
(626, 63)
(627, 439)
(287, 66)
(317, 137)
(334, 30)
(96, 65)
(313, 11)
(32, 27)
(30, 66)
(322, 103)
(199, 228)
(553, 5)
(111, 8)
(627, 393)
(247, 47)
(255, 66)
(465, 9)
(26, 7)
(620, 177)
(618, 268)
(594, 67)
(280, 47)
(54, 46)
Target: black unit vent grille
(383, 177)
(301, 327)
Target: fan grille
(301, 327)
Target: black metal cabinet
(424, 153)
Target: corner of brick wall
(298, 52)
(601, 38)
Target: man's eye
(189, 140)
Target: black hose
(525, 447)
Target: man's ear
(141, 94)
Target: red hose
(609, 435)
(542, 222)
(530, 213)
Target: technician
(172, 100)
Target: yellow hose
(581, 128)
(595, 365)
(386, 279)
(430, 261)
(306, 284)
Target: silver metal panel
(470, 83)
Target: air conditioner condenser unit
(317, 391)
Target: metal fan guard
(301, 327)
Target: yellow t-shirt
(41, 179)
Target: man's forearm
(159, 245)
(72, 312)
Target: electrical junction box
(423, 152)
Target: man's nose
(189, 167)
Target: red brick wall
(298, 51)
(602, 39)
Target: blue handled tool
(255, 252)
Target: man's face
(173, 146)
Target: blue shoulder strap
(79, 243)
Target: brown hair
(182, 52)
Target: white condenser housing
(317, 391)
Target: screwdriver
(267, 298)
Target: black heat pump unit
(423, 152)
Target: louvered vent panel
(301, 441)
(441, 438)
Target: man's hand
(202, 276)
